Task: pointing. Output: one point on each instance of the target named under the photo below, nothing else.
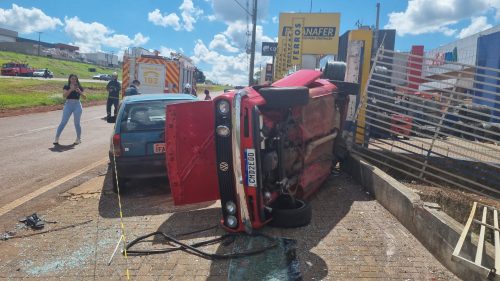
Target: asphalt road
(29, 159)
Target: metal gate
(432, 120)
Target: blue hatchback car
(138, 140)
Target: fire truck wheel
(335, 71)
(285, 97)
(121, 182)
(287, 214)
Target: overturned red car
(261, 150)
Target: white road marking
(42, 129)
(16, 203)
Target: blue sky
(212, 32)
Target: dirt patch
(455, 203)
(42, 108)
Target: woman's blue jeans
(71, 107)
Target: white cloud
(477, 24)
(169, 20)
(189, 14)
(225, 69)
(165, 51)
(428, 16)
(211, 17)
(275, 19)
(230, 11)
(220, 43)
(236, 33)
(27, 20)
(93, 36)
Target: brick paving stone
(351, 237)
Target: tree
(256, 77)
(199, 76)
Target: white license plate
(251, 167)
(159, 148)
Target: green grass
(61, 68)
(212, 88)
(19, 93)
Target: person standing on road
(113, 88)
(72, 92)
(207, 95)
(133, 89)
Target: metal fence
(439, 123)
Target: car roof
(159, 96)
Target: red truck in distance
(261, 150)
(17, 69)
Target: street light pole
(252, 48)
(39, 33)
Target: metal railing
(487, 270)
(440, 125)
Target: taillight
(117, 147)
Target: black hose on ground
(193, 248)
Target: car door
(190, 159)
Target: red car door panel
(190, 146)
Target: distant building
(101, 58)
(8, 35)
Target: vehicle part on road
(289, 212)
(45, 231)
(226, 239)
(33, 221)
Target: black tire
(335, 71)
(121, 182)
(288, 215)
(285, 97)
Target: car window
(144, 116)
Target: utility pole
(252, 47)
(39, 33)
(375, 35)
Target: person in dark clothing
(207, 95)
(133, 89)
(113, 88)
(46, 73)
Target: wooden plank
(461, 240)
(497, 241)
(480, 244)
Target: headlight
(223, 107)
(231, 207)
(223, 131)
(231, 221)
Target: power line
(239, 4)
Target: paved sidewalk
(351, 237)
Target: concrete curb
(437, 231)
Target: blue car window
(144, 116)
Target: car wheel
(285, 97)
(335, 71)
(290, 213)
(121, 183)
